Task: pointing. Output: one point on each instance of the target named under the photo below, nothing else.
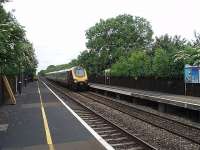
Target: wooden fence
(169, 85)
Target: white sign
(199, 75)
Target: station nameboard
(192, 74)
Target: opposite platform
(165, 98)
(40, 121)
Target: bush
(138, 64)
(161, 63)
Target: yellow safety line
(46, 127)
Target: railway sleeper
(107, 131)
(102, 128)
(124, 144)
(111, 135)
(119, 139)
(99, 125)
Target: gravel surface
(149, 109)
(157, 120)
(155, 136)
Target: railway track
(116, 136)
(186, 131)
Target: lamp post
(110, 63)
(20, 80)
(1, 85)
(110, 60)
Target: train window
(79, 71)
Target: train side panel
(74, 78)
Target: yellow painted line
(95, 134)
(46, 127)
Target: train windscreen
(79, 71)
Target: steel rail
(72, 95)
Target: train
(74, 78)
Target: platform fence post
(16, 84)
(185, 89)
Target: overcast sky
(57, 28)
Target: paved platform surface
(171, 99)
(23, 126)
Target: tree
(16, 52)
(3, 1)
(196, 42)
(124, 33)
(121, 67)
(170, 44)
(137, 65)
(89, 60)
(189, 55)
(161, 63)
(140, 64)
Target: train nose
(81, 83)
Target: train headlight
(75, 81)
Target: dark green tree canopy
(124, 31)
(16, 52)
(196, 42)
(125, 45)
(3, 1)
(169, 43)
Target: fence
(169, 85)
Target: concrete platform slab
(26, 128)
(189, 102)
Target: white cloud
(57, 28)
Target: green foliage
(3, 1)
(125, 45)
(160, 64)
(52, 68)
(123, 32)
(16, 52)
(170, 44)
(190, 55)
(89, 60)
(138, 64)
(196, 42)
(42, 72)
(121, 68)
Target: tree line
(16, 51)
(125, 44)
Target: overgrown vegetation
(16, 52)
(125, 45)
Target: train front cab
(80, 78)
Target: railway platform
(40, 121)
(189, 102)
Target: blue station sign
(192, 74)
